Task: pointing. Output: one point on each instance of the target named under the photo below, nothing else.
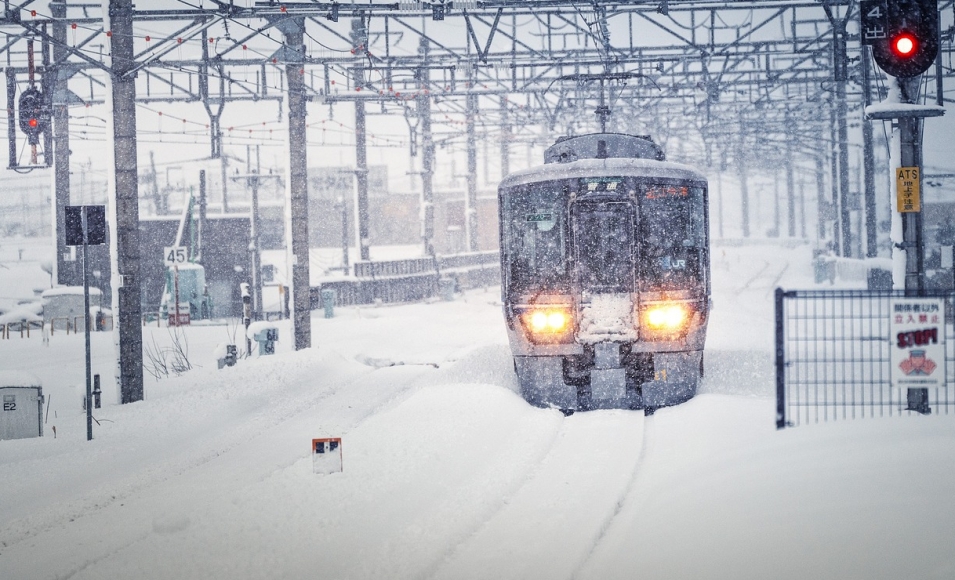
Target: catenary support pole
(842, 108)
(834, 182)
(65, 272)
(790, 191)
(505, 138)
(743, 188)
(427, 152)
(777, 209)
(127, 294)
(913, 244)
(256, 257)
(470, 205)
(363, 231)
(359, 35)
(293, 29)
(822, 215)
(868, 164)
(911, 156)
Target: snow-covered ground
(449, 474)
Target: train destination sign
(597, 184)
(917, 342)
(665, 191)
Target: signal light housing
(904, 34)
(34, 115)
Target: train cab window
(603, 236)
(673, 237)
(535, 239)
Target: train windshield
(673, 236)
(535, 237)
(604, 244)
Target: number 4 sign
(917, 342)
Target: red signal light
(32, 122)
(904, 45)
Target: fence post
(780, 363)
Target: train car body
(605, 275)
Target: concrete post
(841, 78)
(127, 296)
(65, 272)
(743, 188)
(868, 164)
(359, 36)
(470, 205)
(361, 176)
(298, 180)
(427, 152)
(505, 138)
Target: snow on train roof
(614, 166)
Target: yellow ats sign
(907, 189)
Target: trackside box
(21, 415)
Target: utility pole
(427, 151)
(127, 297)
(360, 39)
(841, 77)
(294, 57)
(868, 163)
(363, 231)
(834, 180)
(743, 189)
(790, 189)
(61, 144)
(822, 215)
(505, 138)
(470, 205)
(910, 155)
(777, 209)
(253, 179)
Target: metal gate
(833, 357)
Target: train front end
(606, 279)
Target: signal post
(904, 38)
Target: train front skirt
(674, 380)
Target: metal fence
(833, 358)
(411, 280)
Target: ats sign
(917, 342)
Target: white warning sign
(917, 342)
(327, 455)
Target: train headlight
(548, 324)
(665, 320)
(544, 321)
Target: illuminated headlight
(544, 321)
(666, 317)
(548, 324)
